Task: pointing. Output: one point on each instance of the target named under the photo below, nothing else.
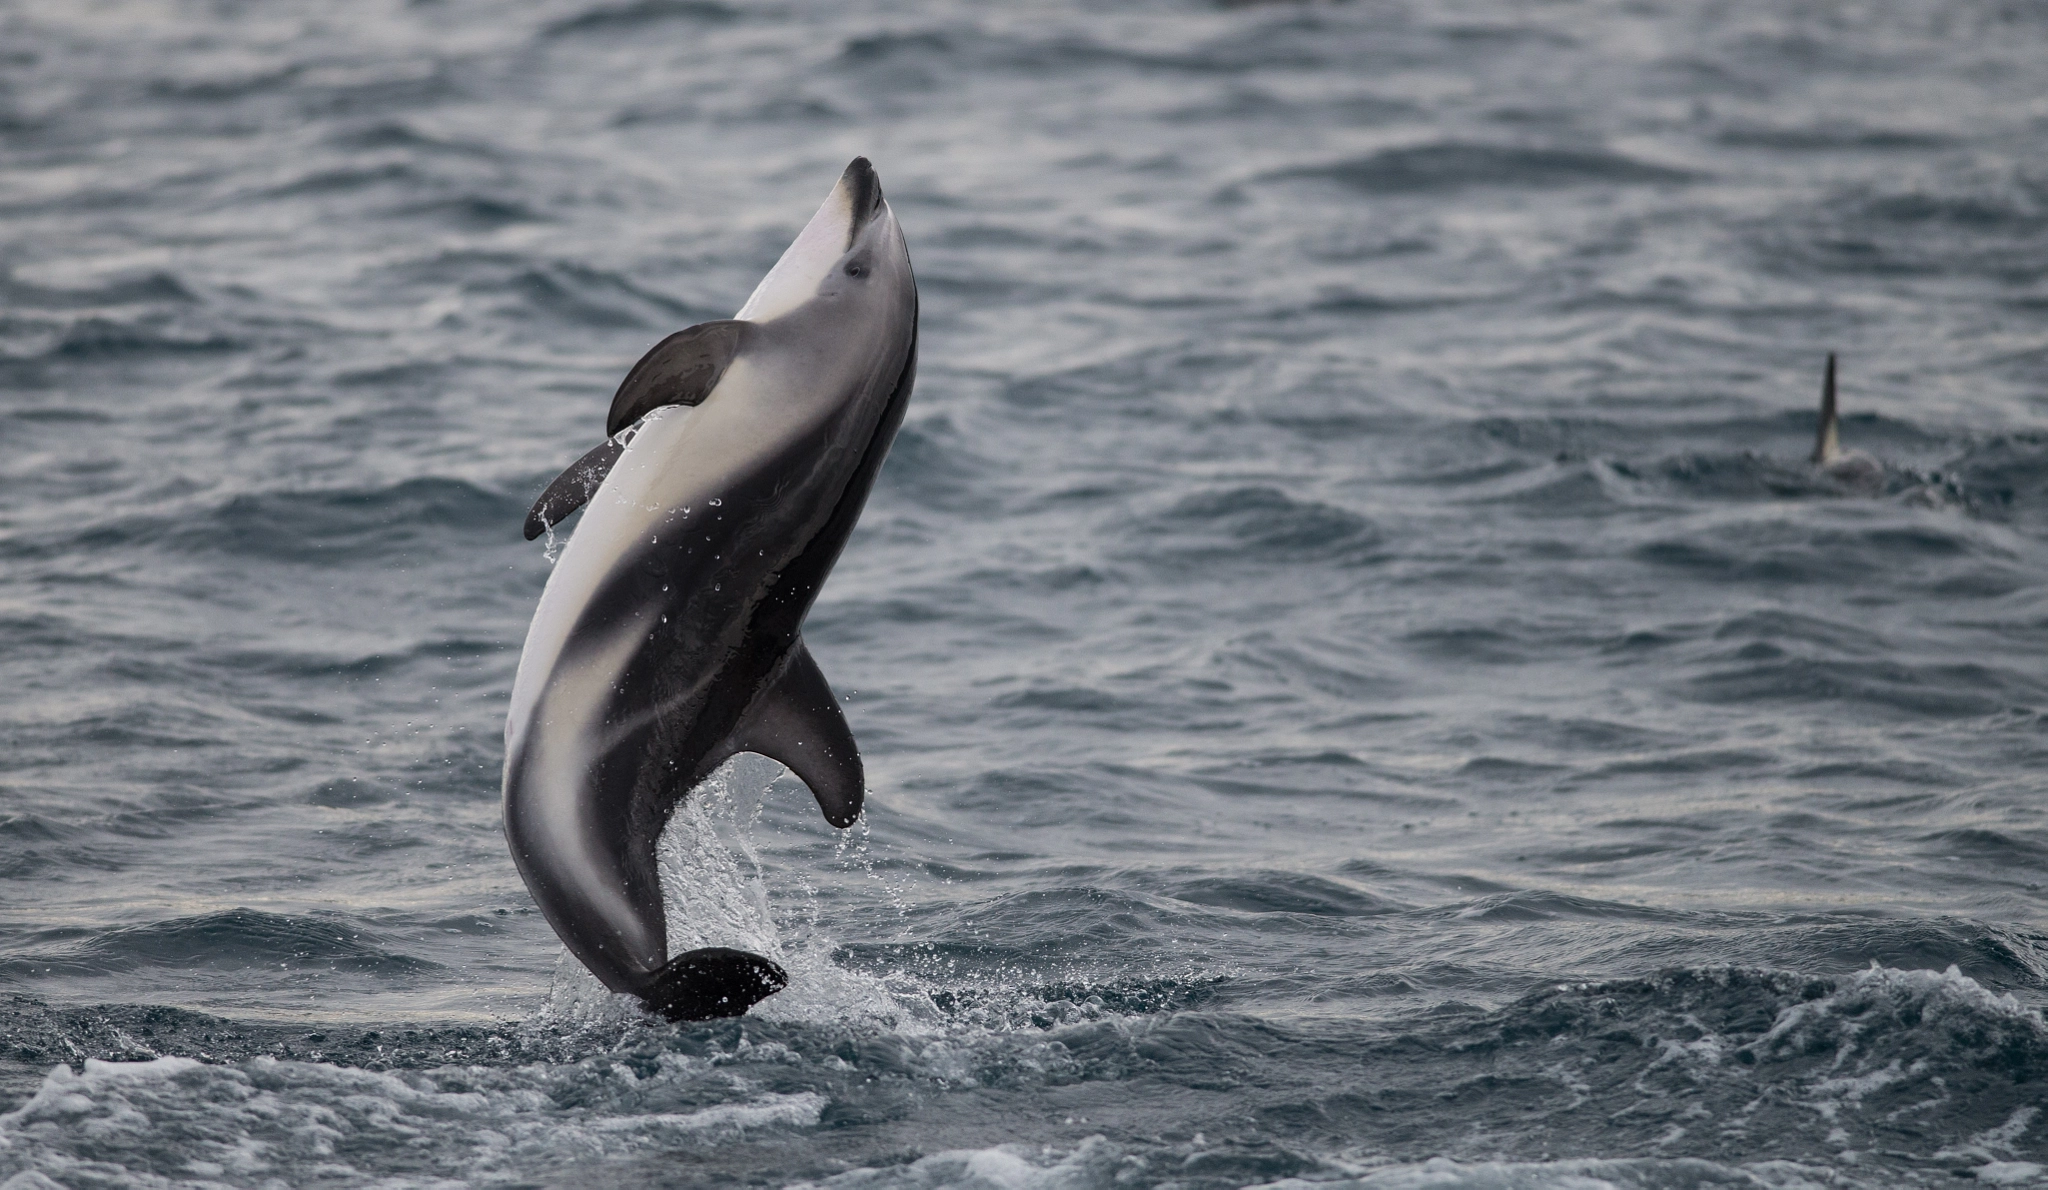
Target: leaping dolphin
(667, 638)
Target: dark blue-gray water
(1359, 682)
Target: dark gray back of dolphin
(668, 638)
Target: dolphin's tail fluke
(1827, 443)
(703, 985)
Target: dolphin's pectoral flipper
(680, 370)
(573, 488)
(798, 722)
(702, 985)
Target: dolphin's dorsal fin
(680, 370)
(797, 721)
(573, 488)
(1827, 443)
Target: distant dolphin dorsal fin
(573, 488)
(1827, 443)
(797, 721)
(680, 370)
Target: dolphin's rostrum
(667, 639)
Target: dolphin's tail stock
(702, 985)
(1827, 442)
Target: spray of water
(716, 891)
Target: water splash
(716, 892)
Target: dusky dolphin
(667, 639)
(1852, 468)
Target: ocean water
(1359, 684)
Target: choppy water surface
(1358, 681)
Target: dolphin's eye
(854, 268)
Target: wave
(1573, 466)
(232, 939)
(932, 465)
(912, 58)
(2004, 476)
(883, 47)
(1099, 1164)
(298, 1122)
(476, 212)
(553, 291)
(152, 287)
(333, 527)
(388, 133)
(99, 337)
(1804, 138)
(1988, 223)
(1281, 892)
(226, 87)
(346, 179)
(638, 17)
(1256, 525)
(316, 85)
(1452, 165)
(40, 845)
(1940, 690)
(1952, 555)
(340, 525)
(1920, 1072)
